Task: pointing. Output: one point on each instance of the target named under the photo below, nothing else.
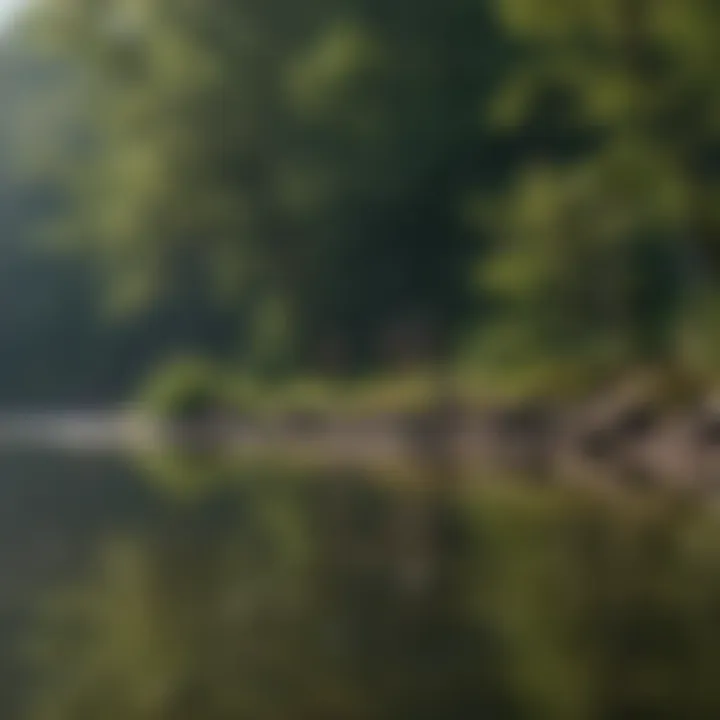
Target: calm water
(175, 591)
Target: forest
(384, 335)
(523, 192)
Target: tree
(613, 249)
(308, 163)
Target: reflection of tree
(287, 605)
(606, 608)
(289, 599)
(198, 621)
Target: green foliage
(185, 390)
(606, 252)
(59, 344)
(301, 178)
(308, 161)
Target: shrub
(185, 390)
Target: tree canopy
(522, 185)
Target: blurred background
(359, 359)
(520, 191)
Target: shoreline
(679, 447)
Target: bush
(186, 390)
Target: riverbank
(677, 447)
(630, 434)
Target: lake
(195, 589)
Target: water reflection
(340, 596)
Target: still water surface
(145, 591)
